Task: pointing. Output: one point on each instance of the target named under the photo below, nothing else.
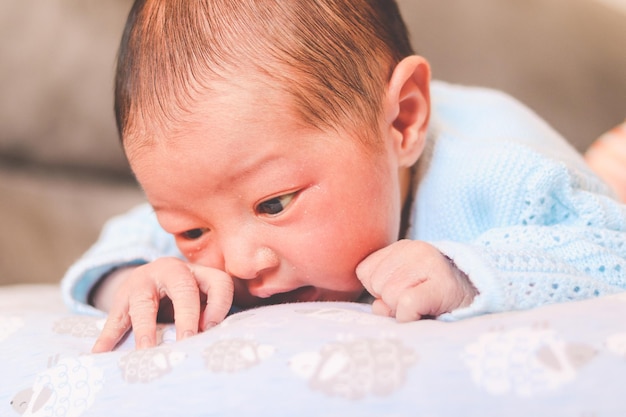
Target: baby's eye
(275, 205)
(193, 234)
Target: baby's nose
(251, 263)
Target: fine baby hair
(333, 58)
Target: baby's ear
(407, 108)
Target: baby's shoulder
(477, 122)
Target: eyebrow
(237, 175)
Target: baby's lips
(299, 295)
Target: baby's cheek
(192, 252)
(201, 255)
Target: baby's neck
(406, 184)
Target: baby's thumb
(219, 289)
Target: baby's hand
(411, 279)
(136, 302)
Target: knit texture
(516, 207)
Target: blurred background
(62, 172)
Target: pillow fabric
(318, 359)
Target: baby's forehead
(242, 100)
(227, 109)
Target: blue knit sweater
(498, 191)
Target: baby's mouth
(299, 295)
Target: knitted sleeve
(133, 238)
(533, 231)
(515, 206)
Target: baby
(296, 150)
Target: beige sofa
(62, 172)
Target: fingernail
(97, 348)
(187, 334)
(144, 343)
(208, 325)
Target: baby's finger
(415, 303)
(185, 297)
(219, 289)
(380, 308)
(366, 271)
(143, 309)
(116, 326)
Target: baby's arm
(411, 279)
(103, 294)
(560, 240)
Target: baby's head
(273, 137)
(331, 58)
